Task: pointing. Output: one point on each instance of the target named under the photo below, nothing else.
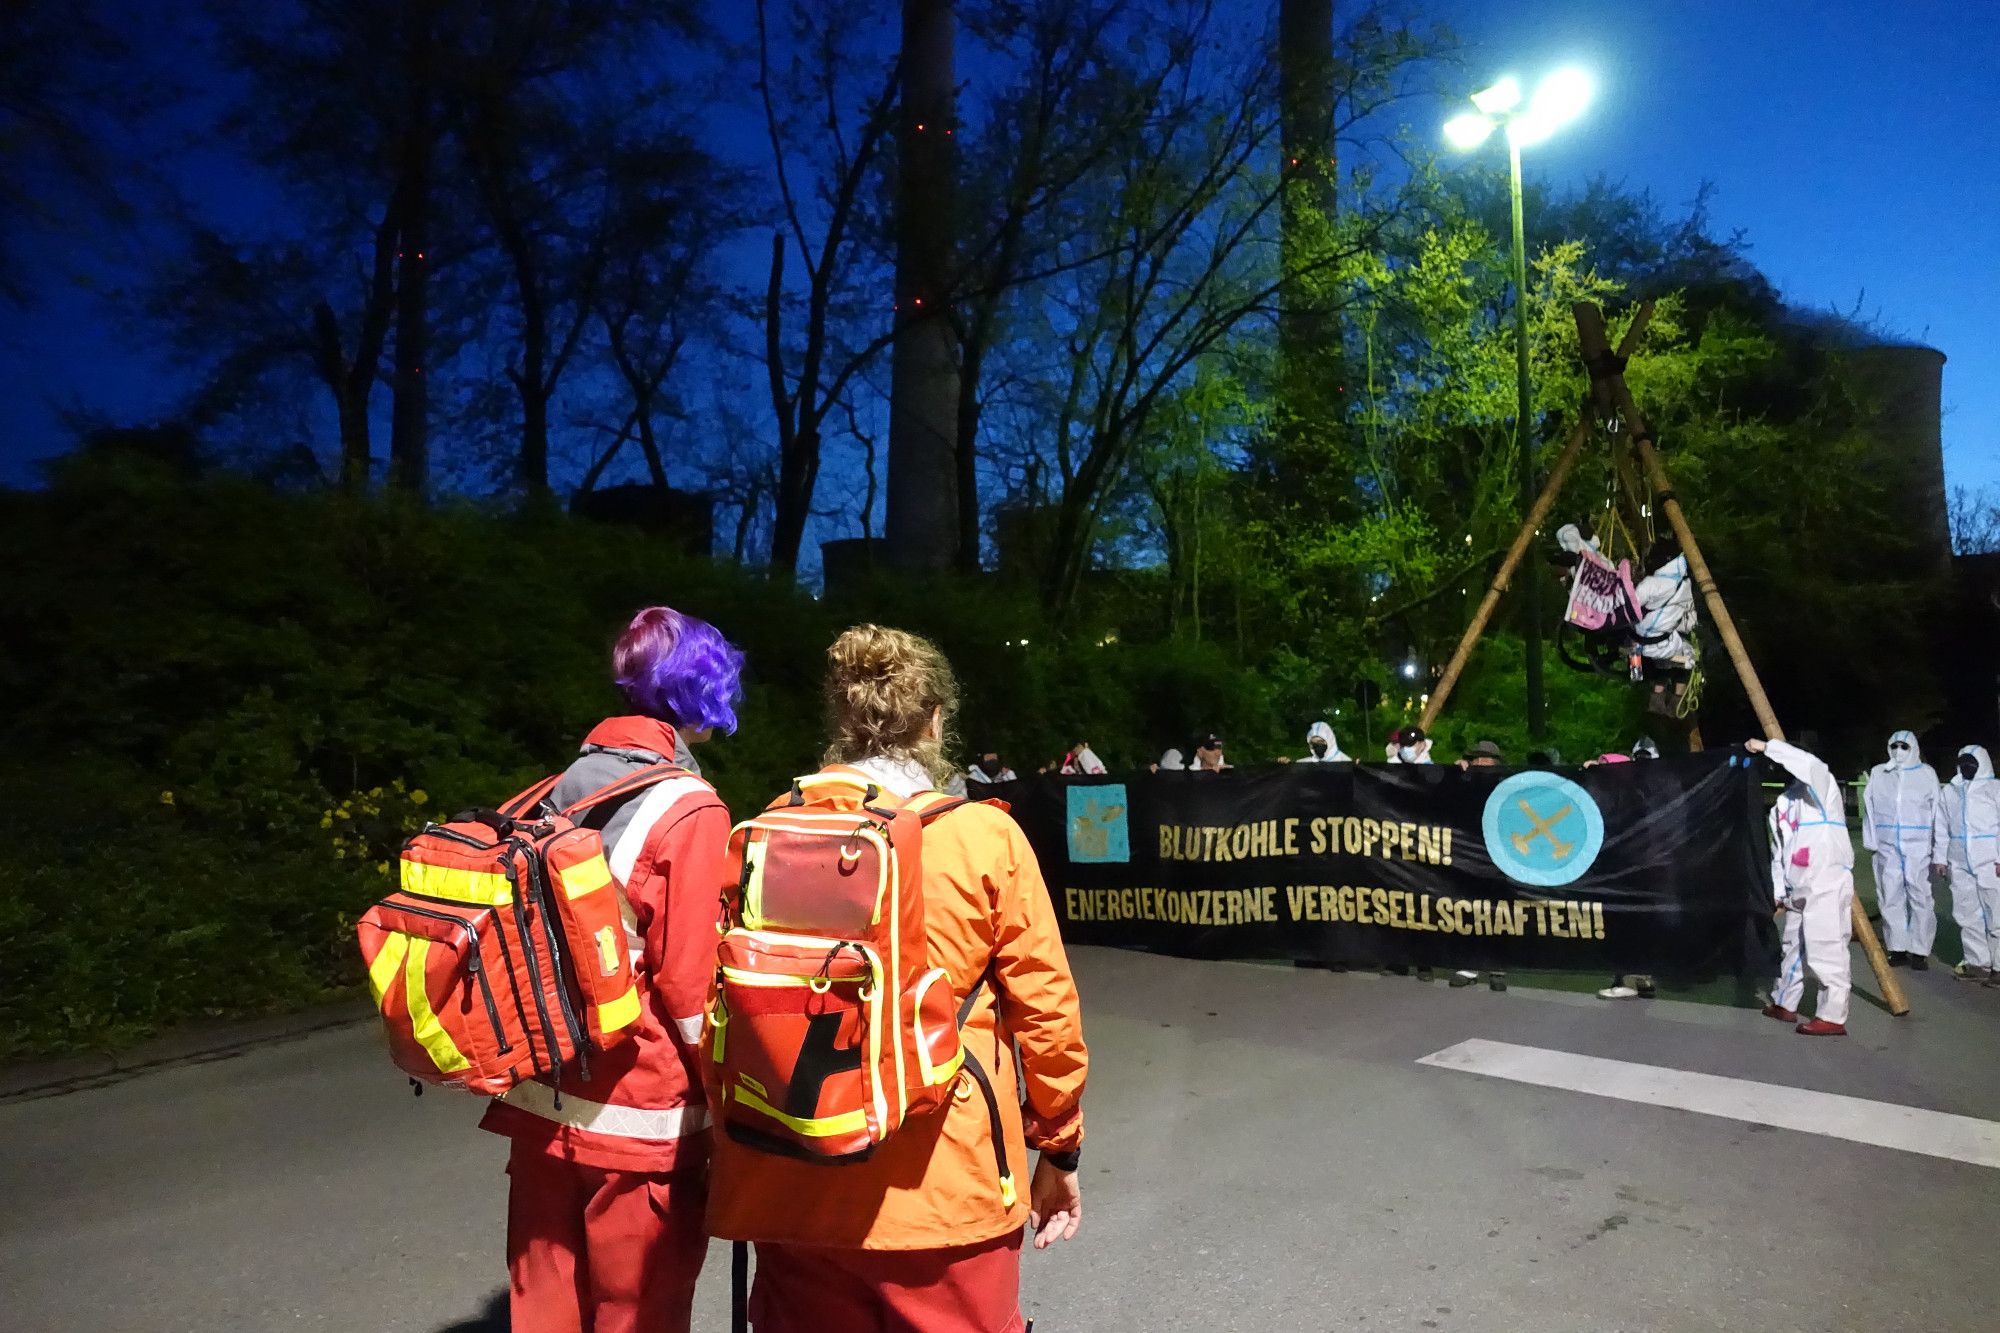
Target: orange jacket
(932, 1184)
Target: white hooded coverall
(1666, 602)
(1422, 755)
(1968, 832)
(1812, 876)
(1332, 755)
(1898, 811)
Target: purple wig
(679, 669)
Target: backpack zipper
(535, 986)
(472, 965)
(538, 873)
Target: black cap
(1412, 735)
(1209, 742)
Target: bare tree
(808, 365)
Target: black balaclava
(1318, 744)
(1968, 766)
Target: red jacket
(643, 1103)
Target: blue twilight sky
(1844, 136)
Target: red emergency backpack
(829, 1025)
(503, 955)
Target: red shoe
(1819, 1027)
(1773, 1010)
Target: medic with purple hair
(604, 1211)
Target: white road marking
(1959, 1138)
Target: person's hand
(1778, 913)
(1937, 870)
(1754, 746)
(1464, 765)
(1055, 1204)
(1284, 759)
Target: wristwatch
(1066, 1162)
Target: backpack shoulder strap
(625, 786)
(532, 797)
(930, 805)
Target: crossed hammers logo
(1543, 828)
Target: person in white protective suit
(1408, 746)
(1082, 760)
(1322, 747)
(1966, 832)
(1666, 607)
(1812, 879)
(1898, 810)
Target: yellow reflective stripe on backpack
(480, 888)
(618, 1013)
(586, 877)
(846, 1123)
(395, 948)
(424, 1025)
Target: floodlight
(1468, 131)
(1501, 98)
(1409, 671)
(1562, 96)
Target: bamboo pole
(1725, 627)
(1878, 961)
(1579, 435)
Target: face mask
(1318, 748)
(1968, 767)
(1407, 753)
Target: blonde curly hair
(882, 686)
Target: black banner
(1656, 866)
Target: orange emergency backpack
(503, 954)
(829, 1026)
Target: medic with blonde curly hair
(922, 1237)
(604, 1208)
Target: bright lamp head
(1561, 97)
(1467, 131)
(1501, 98)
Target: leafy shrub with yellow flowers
(369, 827)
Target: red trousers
(594, 1251)
(970, 1289)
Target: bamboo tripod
(1610, 398)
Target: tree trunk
(354, 443)
(409, 424)
(350, 408)
(1308, 335)
(967, 450)
(922, 527)
(798, 470)
(532, 382)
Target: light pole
(1560, 98)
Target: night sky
(1854, 142)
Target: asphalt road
(1264, 1155)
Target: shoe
(1993, 981)
(1644, 985)
(1496, 981)
(1462, 978)
(1424, 974)
(1779, 1012)
(1967, 972)
(1919, 962)
(1819, 1027)
(1618, 993)
(1897, 958)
